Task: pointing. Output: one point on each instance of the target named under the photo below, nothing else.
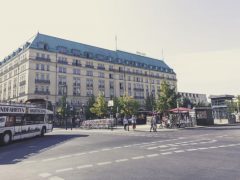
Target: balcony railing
(138, 97)
(76, 94)
(76, 64)
(101, 68)
(22, 83)
(89, 66)
(76, 84)
(138, 89)
(62, 62)
(42, 92)
(42, 81)
(43, 59)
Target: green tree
(186, 102)
(128, 105)
(167, 98)
(99, 107)
(150, 103)
(88, 113)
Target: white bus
(19, 121)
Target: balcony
(89, 66)
(76, 94)
(42, 81)
(138, 97)
(63, 62)
(43, 59)
(22, 83)
(42, 92)
(62, 83)
(77, 64)
(101, 68)
(138, 89)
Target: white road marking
(166, 153)
(191, 149)
(202, 148)
(179, 151)
(85, 166)
(65, 156)
(44, 175)
(121, 160)
(55, 178)
(91, 152)
(152, 155)
(213, 147)
(138, 157)
(106, 149)
(49, 159)
(104, 163)
(79, 154)
(150, 148)
(63, 170)
(117, 147)
(168, 149)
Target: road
(199, 154)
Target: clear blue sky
(200, 38)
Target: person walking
(153, 124)
(125, 123)
(134, 122)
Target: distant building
(221, 109)
(48, 67)
(194, 97)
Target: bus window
(10, 121)
(19, 121)
(2, 121)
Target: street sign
(110, 103)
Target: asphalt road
(194, 154)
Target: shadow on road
(21, 150)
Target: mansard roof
(58, 45)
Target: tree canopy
(167, 98)
(99, 107)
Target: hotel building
(47, 67)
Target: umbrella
(180, 110)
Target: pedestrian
(153, 124)
(125, 123)
(134, 122)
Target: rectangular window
(89, 73)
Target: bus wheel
(43, 131)
(6, 138)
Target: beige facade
(36, 73)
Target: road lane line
(106, 149)
(179, 151)
(202, 148)
(64, 170)
(91, 152)
(85, 166)
(168, 149)
(191, 150)
(65, 156)
(152, 155)
(138, 157)
(104, 163)
(49, 159)
(121, 160)
(44, 175)
(166, 153)
(55, 178)
(79, 154)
